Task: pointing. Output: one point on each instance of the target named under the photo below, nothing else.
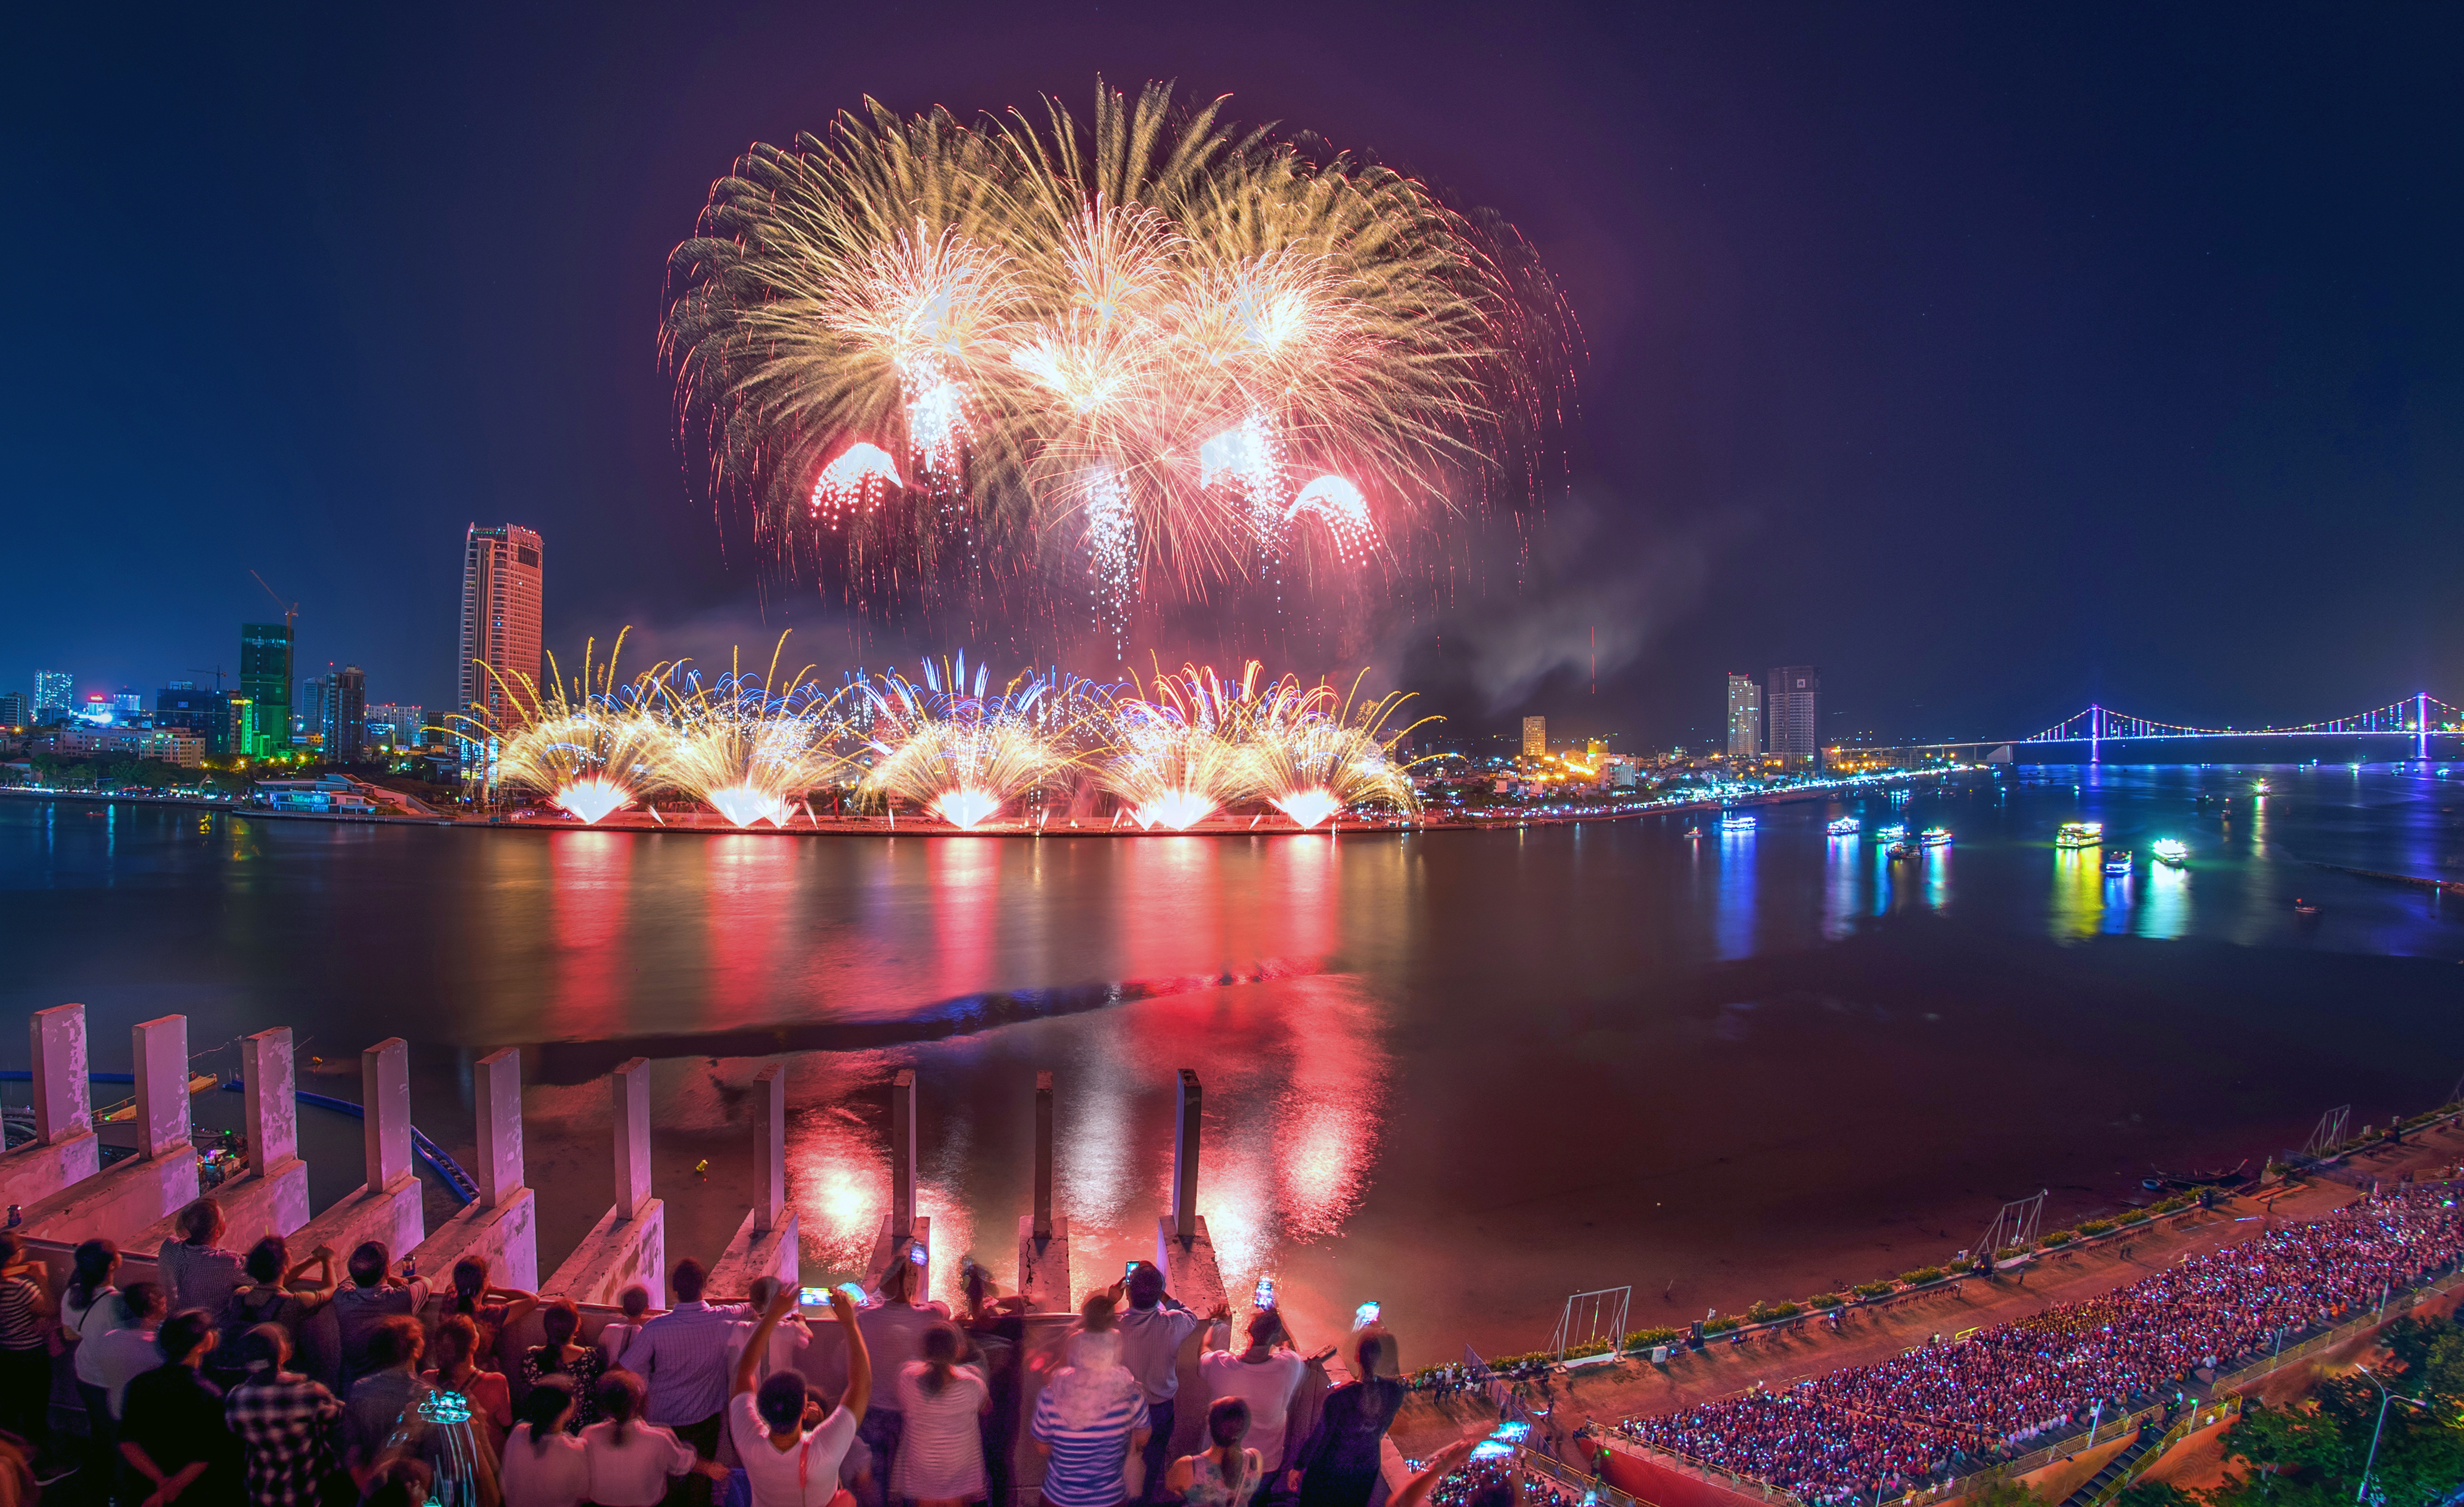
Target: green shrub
(1766, 1313)
(2095, 1225)
(2058, 1237)
(2007, 1253)
(1921, 1275)
(1645, 1339)
(2169, 1205)
(1826, 1299)
(1722, 1324)
(1873, 1289)
(2136, 1217)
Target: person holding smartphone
(893, 1333)
(789, 1449)
(1152, 1331)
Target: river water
(1464, 1074)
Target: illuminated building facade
(343, 712)
(503, 584)
(265, 680)
(207, 713)
(1745, 715)
(1796, 710)
(55, 693)
(1535, 737)
(16, 712)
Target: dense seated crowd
(1920, 1415)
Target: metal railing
(2190, 1423)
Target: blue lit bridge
(2418, 716)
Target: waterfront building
(16, 712)
(207, 713)
(502, 588)
(265, 681)
(1745, 715)
(1794, 709)
(1535, 737)
(344, 713)
(55, 691)
(403, 726)
(308, 713)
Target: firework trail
(584, 746)
(746, 751)
(1111, 352)
(960, 755)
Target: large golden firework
(1139, 358)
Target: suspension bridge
(2418, 715)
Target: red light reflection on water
(1295, 1070)
(748, 905)
(591, 875)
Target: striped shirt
(682, 1356)
(21, 1315)
(1085, 1470)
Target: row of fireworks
(1170, 751)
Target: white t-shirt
(1268, 1388)
(806, 1475)
(634, 1473)
(787, 1341)
(556, 1476)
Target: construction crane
(216, 672)
(290, 611)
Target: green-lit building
(264, 681)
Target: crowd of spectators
(1942, 1407)
(211, 1388)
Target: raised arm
(859, 1388)
(748, 1365)
(1415, 1490)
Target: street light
(2384, 1397)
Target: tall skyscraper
(1535, 737)
(501, 590)
(1745, 715)
(54, 696)
(345, 715)
(264, 681)
(1796, 708)
(308, 711)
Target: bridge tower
(2421, 725)
(2095, 731)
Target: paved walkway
(1626, 1388)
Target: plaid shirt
(286, 1423)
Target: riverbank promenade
(1920, 1393)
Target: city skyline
(1834, 401)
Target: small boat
(2304, 908)
(1900, 850)
(1896, 832)
(2171, 852)
(1736, 822)
(1693, 832)
(1935, 836)
(1845, 827)
(2117, 862)
(2080, 835)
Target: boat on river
(1845, 827)
(2080, 835)
(2116, 860)
(2171, 852)
(1736, 822)
(1935, 836)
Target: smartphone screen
(812, 1297)
(916, 1254)
(1365, 1315)
(1128, 1267)
(1265, 1296)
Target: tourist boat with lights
(1736, 822)
(1902, 849)
(1896, 832)
(1845, 827)
(1935, 836)
(2080, 835)
(2117, 862)
(2171, 852)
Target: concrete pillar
(630, 1101)
(902, 1154)
(501, 1227)
(497, 1092)
(385, 1092)
(765, 1243)
(389, 1207)
(123, 1202)
(1042, 1234)
(161, 1048)
(1184, 1154)
(629, 1242)
(272, 1099)
(272, 1197)
(64, 1149)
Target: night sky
(1995, 359)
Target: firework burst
(963, 755)
(1100, 354)
(581, 744)
(747, 751)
